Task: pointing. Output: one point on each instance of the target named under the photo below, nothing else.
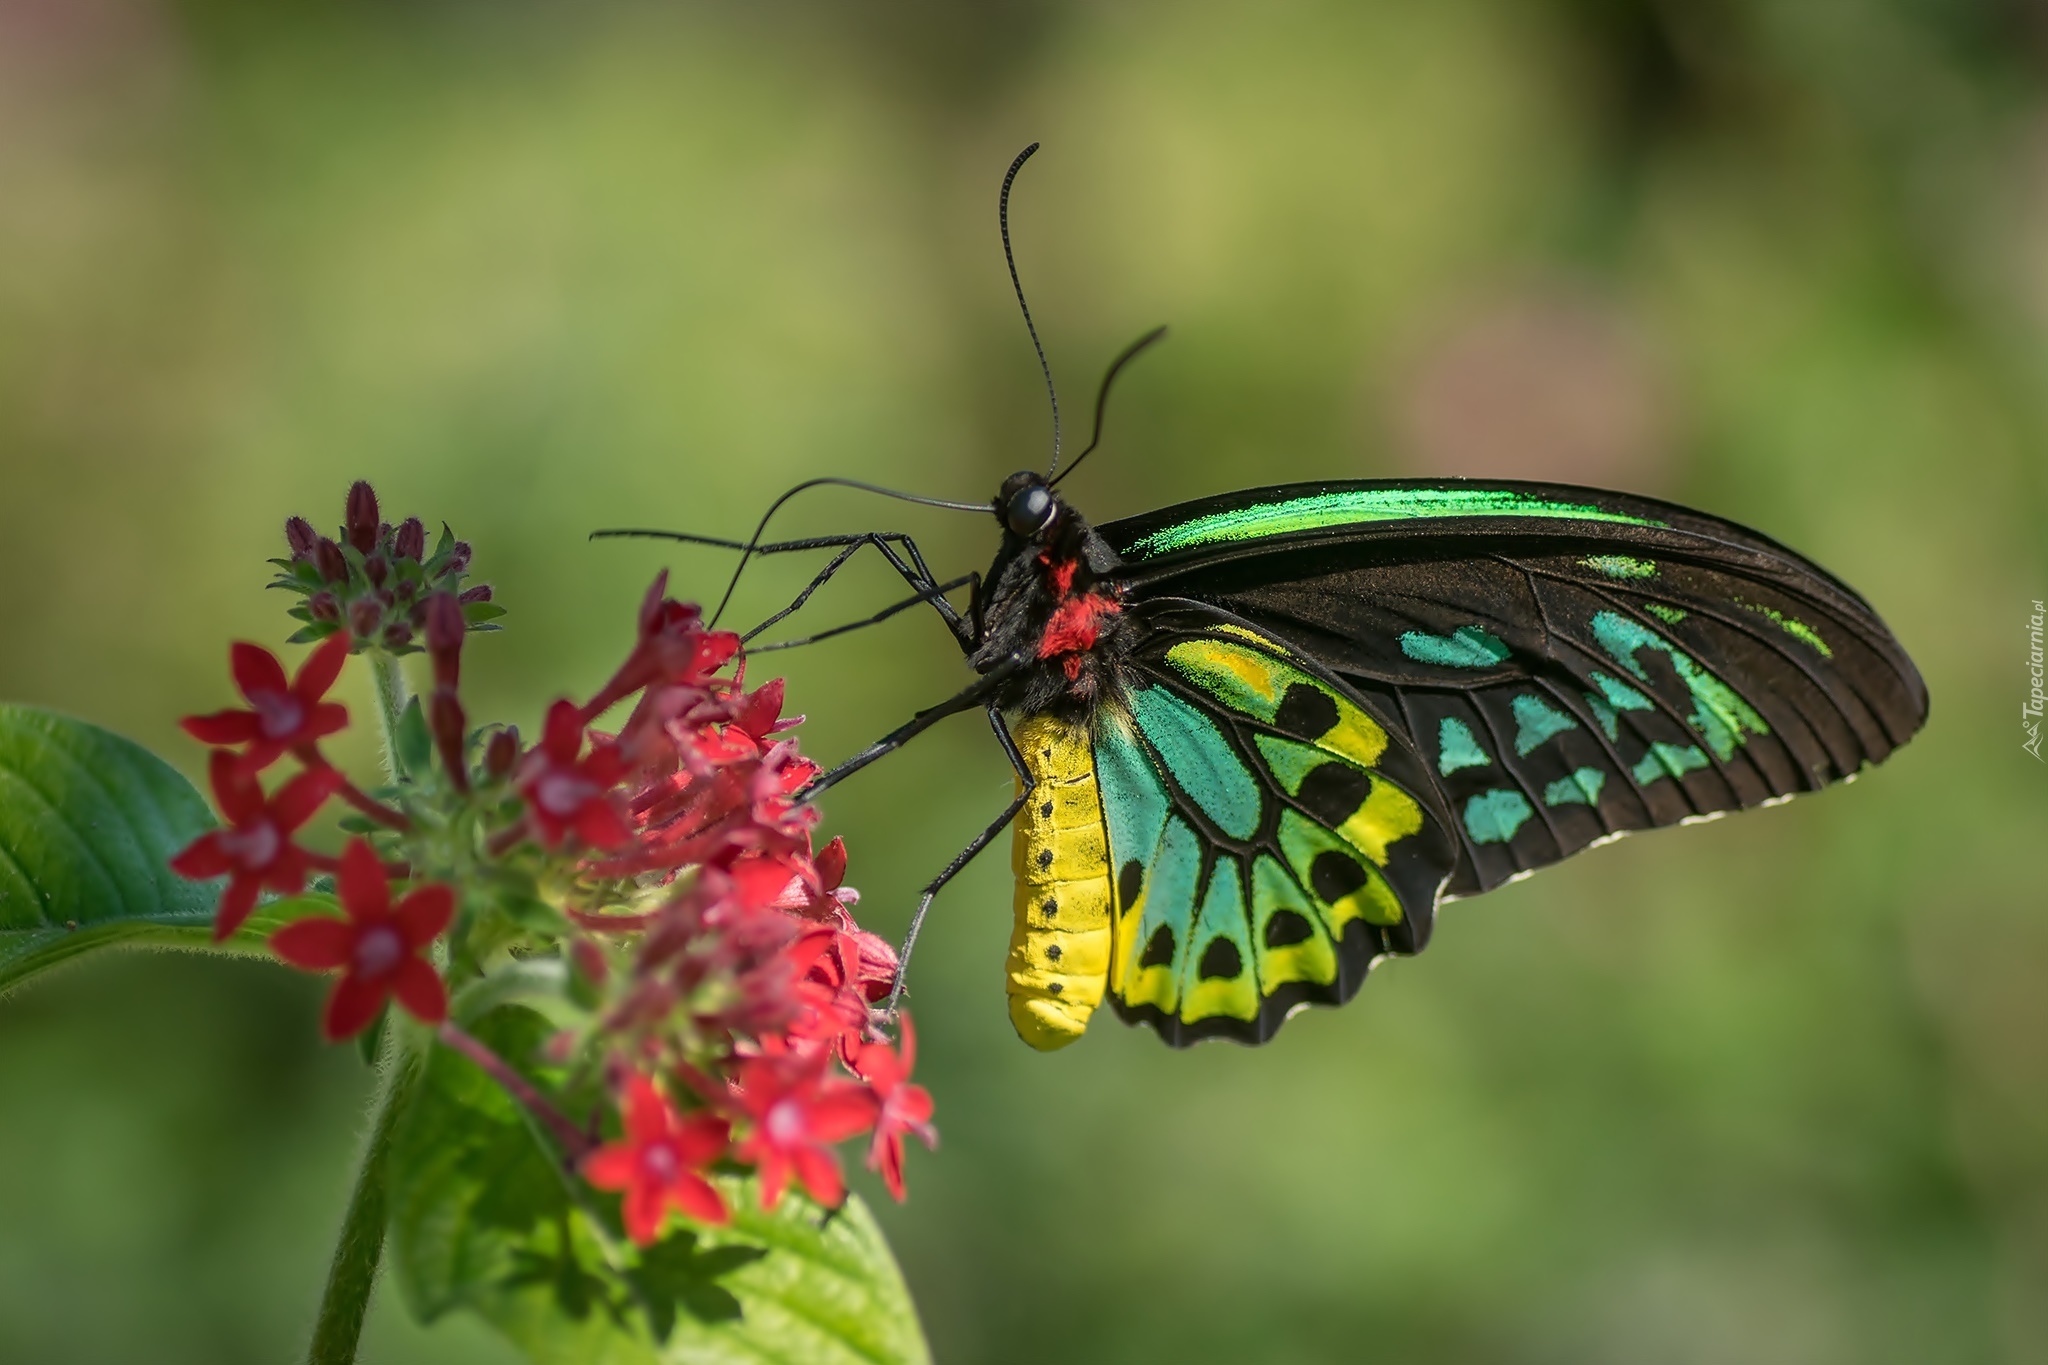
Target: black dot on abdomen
(1052, 952)
(1332, 792)
(1045, 811)
(1307, 711)
(1045, 857)
(1052, 906)
(1221, 961)
(1158, 949)
(1333, 876)
(1286, 927)
(1129, 883)
(1056, 987)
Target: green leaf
(88, 824)
(485, 1218)
(475, 613)
(415, 745)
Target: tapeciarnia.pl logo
(2030, 712)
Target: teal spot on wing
(1663, 613)
(1537, 720)
(1792, 626)
(1582, 788)
(1620, 566)
(1720, 714)
(1465, 647)
(1325, 511)
(1135, 803)
(1493, 817)
(1614, 695)
(1667, 760)
(1457, 748)
(1201, 760)
(1620, 695)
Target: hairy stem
(357, 1252)
(392, 695)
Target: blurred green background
(1775, 1089)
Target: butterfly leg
(907, 562)
(976, 693)
(896, 547)
(934, 593)
(965, 856)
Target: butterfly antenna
(754, 541)
(1010, 258)
(1116, 366)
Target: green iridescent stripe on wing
(1322, 511)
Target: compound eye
(1029, 510)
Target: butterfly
(1260, 738)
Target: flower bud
(445, 719)
(300, 535)
(328, 559)
(501, 755)
(445, 628)
(458, 559)
(411, 540)
(376, 568)
(365, 614)
(480, 593)
(362, 517)
(397, 635)
(322, 607)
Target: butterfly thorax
(1052, 595)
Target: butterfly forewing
(1566, 665)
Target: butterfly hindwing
(1269, 837)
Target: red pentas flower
(255, 850)
(796, 1112)
(673, 647)
(905, 1108)
(656, 1164)
(377, 948)
(568, 791)
(282, 715)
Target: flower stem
(392, 695)
(575, 1143)
(353, 1273)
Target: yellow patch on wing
(1388, 814)
(1256, 682)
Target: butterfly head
(1026, 505)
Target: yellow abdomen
(1059, 949)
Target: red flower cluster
(750, 988)
(376, 948)
(727, 990)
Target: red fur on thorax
(1076, 620)
(1058, 576)
(1074, 625)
